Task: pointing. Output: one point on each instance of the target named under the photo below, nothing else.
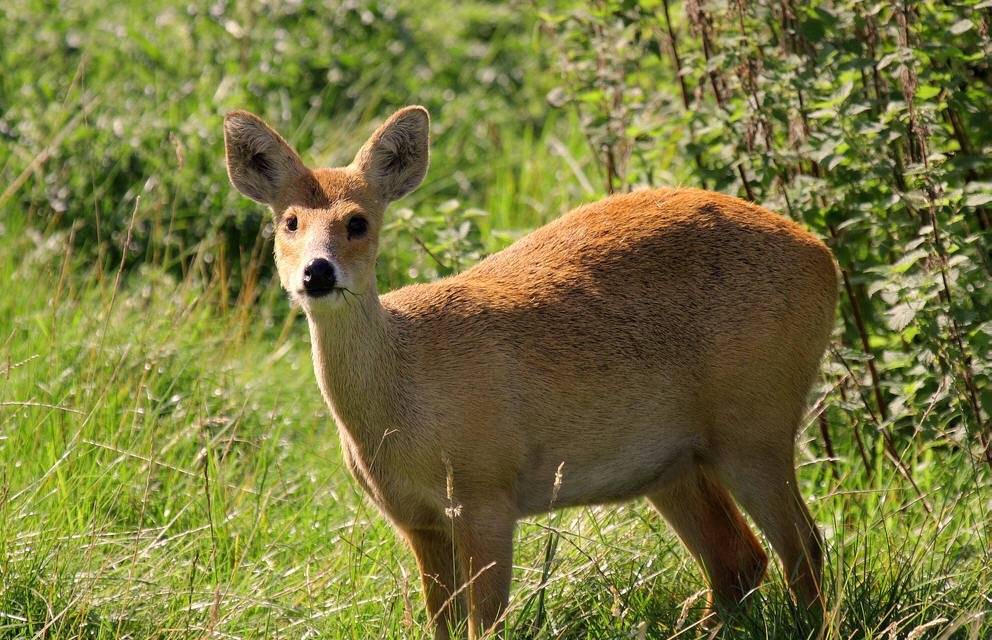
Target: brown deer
(659, 343)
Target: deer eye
(292, 223)
(357, 227)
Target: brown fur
(660, 343)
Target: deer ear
(395, 158)
(259, 162)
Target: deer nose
(318, 277)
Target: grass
(167, 466)
(169, 470)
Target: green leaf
(961, 26)
(977, 199)
(908, 260)
(899, 316)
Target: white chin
(323, 304)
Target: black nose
(318, 277)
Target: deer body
(659, 344)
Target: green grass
(169, 470)
(167, 466)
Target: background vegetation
(167, 468)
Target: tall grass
(169, 473)
(167, 467)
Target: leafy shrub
(865, 121)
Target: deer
(660, 343)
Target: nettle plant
(866, 122)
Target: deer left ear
(259, 162)
(395, 158)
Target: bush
(865, 121)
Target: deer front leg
(435, 553)
(484, 541)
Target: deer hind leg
(766, 488)
(709, 523)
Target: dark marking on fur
(259, 162)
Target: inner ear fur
(396, 157)
(259, 162)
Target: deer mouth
(319, 292)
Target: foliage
(129, 100)
(167, 466)
(864, 120)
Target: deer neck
(357, 364)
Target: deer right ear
(395, 158)
(259, 162)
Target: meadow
(168, 468)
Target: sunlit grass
(167, 466)
(169, 470)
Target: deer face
(327, 220)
